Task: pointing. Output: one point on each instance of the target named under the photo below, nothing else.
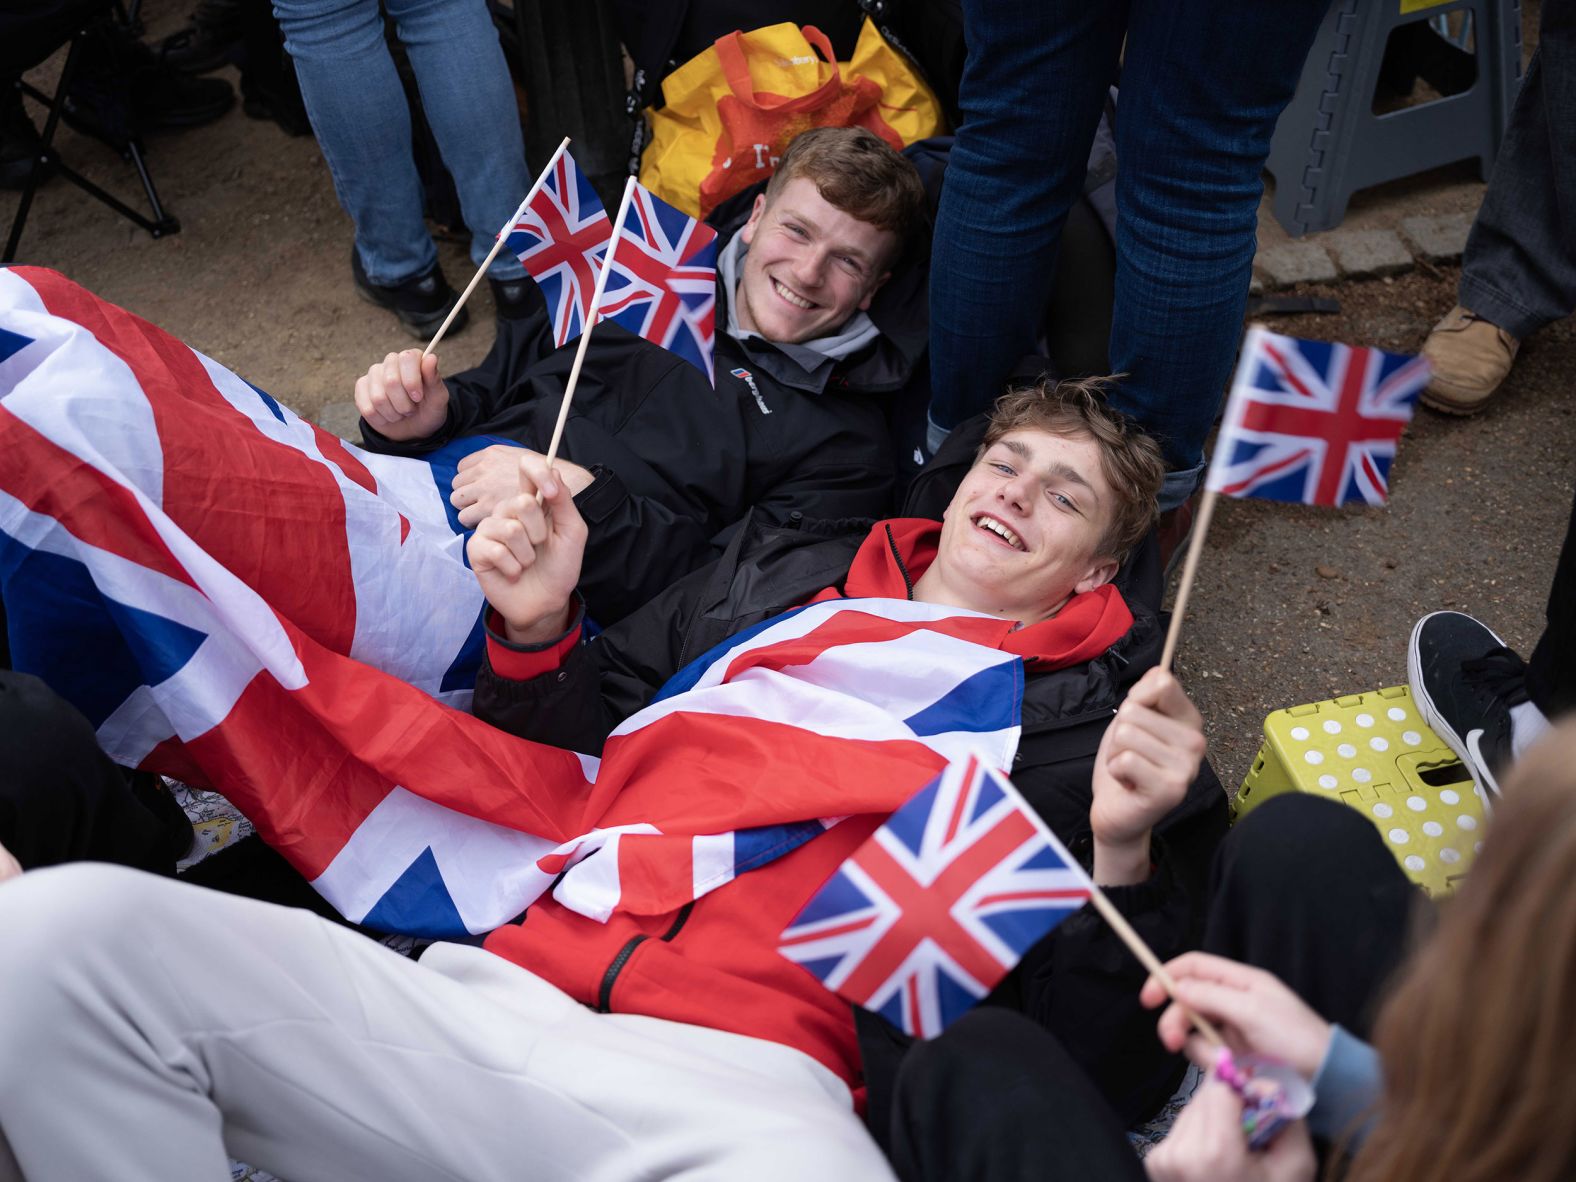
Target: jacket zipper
(604, 995)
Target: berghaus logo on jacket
(748, 379)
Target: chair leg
(51, 122)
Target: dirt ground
(1292, 605)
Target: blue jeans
(357, 107)
(1203, 84)
(1519, 270)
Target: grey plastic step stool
(1329, 143)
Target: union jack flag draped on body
(560, 234)
(662, 282)
(1313, 421)
(238, 599)
(931, 912)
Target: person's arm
(1346, 1090)
(9, 866)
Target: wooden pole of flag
(1150, 961)
(503, 235)
(585, 333)
(1195, 545)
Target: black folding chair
(34, 37)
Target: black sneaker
(209, 41)
(420, 303)
(122, 91)
(1465, 681)
(515, 299)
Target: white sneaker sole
(1466, 748)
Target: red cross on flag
(560, 233)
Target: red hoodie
(714, 963)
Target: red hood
(898, 552)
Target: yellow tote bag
(730, 111)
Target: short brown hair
(858, 172)
(1129, 459)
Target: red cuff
(515, 664)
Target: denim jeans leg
(1032, 91)
(1519, 270)
(353, 96)
(469, 102)
(1203, 84)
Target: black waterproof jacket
(677, 463)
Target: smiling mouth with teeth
(1000, 530)
(797, 301)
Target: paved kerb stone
(1366, 254)
(1295, 262)
(1440, 237)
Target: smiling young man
(634, 1043)
(813, 346)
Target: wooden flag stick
(1195, 546)
(1150, 961)
(585, 334)
(541, 179)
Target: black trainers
(420, 303)
(122, 91)
(214, 34)
(1465, 681)
(515, 299)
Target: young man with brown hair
(309, 1051)
(812, 347)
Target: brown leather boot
(1470, 357)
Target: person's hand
(1254, 1010)
(9, 866)
(486, 477)
(526, 555)
(1207, 1144)
(1148, 756)
(402, 397)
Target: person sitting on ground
(310, 1051)
(807, 361)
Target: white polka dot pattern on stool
(1362, 775)
(1383, 811)
(1379, 744)
(1364, 720)
(1346, 751)
(1450, 796)
(1416, 803)
(1395, 714)
(1331, 727)
(1414, 863)
(1466, 822)
(1449, 856)
(1314, 757)
(1328, 781)
(1399, 836)
(1300, 733)
(1433, 829)
(1411, 738)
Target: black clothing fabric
(1551, 671)
(1081, 980)
(1302, 886)
(678, 463)
(1044, 1118)
(62, 800)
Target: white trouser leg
(146, 1027)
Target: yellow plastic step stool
(1373, 752)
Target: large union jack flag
(940, 903)
(662, 280)
(1313, 421)
(560, 233)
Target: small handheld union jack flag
(940, 903)
(1314, 422)
(560, 233)
(662, 280)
